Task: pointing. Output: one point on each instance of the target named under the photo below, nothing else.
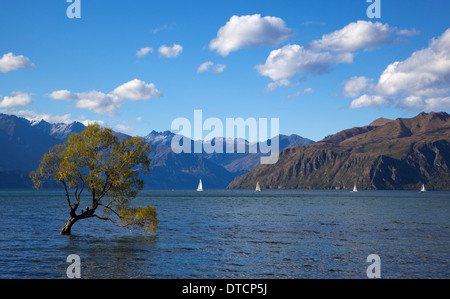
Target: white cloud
(19, 99)
(357, 85)
(137, 90)
(88, 122)
(63, 95)
(413, 103)
(144, 51)
(355, 36)
(125, 129)
(408, 33)
(421, 82)
(417, 103)
(10, 62)
(425, 72)
(286, 62)
(283, 83)
(318, 56)
(300, 93)
(170, 52)
(99, 102)
(272, 86)
(163, 27)
(368, 101)
(107, 104)
(209, 66)
(250, 31)
(435, 104)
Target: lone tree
(96, 161)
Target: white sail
(258, 188)
(355, 189)
(423, 188)
(200, 186)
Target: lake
(233, 234)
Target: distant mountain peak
(380, 122)
(156, 138)
(60, 131)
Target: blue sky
(318, 66)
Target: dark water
(234, 234)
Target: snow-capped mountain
(23, 143)
(60, 131)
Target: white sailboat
(258, 188)
(200, 186)
(354, 189)
(423, 188)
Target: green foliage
(140, 218)
(96, 161)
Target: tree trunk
(68, 226)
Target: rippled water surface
(234, 234)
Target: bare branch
(76, 197)
(104, 191)
(67, 194)
(113, 222)
(82, 186)
(112, 210)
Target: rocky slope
(387, 154)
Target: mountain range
(386, 154)
(24, 142)
(217, 171)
